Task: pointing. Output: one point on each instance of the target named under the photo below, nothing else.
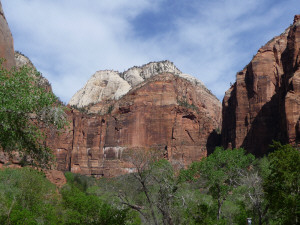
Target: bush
(89, 209)
(24, 105)
(27, 197)
(283, 183)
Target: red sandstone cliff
(166, 112)
(264, 102)
(6, 42)
(149, 107)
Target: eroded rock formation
(174, 114)
(150, 107)
(6, 42)
(103, 85)
(109, 85)
(264, 102)
(22, 60)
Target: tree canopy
(24, 106)
(282, 186)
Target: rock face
(56, 177)
(104, 85)
(174, 114)
(137, 75)
(22, 60)
(264, 102)
(6, 42)
(112, 85)
(150, 107)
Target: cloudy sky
(69, 40)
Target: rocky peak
(136, 75)
(111, 85)
(296, 18)
(170, 114)
(1, 11)
(103, 85)
(22, 60)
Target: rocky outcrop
(174, 115)
(56, 177)
(150, 107)
(6, 42)
(137, 75)
(109, 85)
(22, 60)
(264, 102)
(103, 85)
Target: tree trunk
(150, 202)
(219, 210)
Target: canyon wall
(156, 106)
(264, 102)
(166, 112)
(6, 42)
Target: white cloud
(69, 40)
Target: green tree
(282, 186)
(82, 208)
(251, 187)
(24, 106)
(220, 173)
(221, 170)
(27, 197)
(151, 189)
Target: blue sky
(69, 40)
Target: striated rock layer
(6, 42)
(109, 85)
(166, 112)
(264, 102)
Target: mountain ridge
(132, 77)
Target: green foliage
(184, 103)
(282, 186)
(110, 109)
(24, 103)
(225, 188)
(89, 209)
(151, 190)
(80, 181)
(27, 198)
(219, 174)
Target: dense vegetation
(227, 187)
(25, 106)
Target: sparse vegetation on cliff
(184, 103)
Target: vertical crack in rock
(264, 91)
(189, 135)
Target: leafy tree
(24, 104)
(152, 188)
(251, 188)
(27, 197)
(89, 209)
(282, 186)
(220, 173)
